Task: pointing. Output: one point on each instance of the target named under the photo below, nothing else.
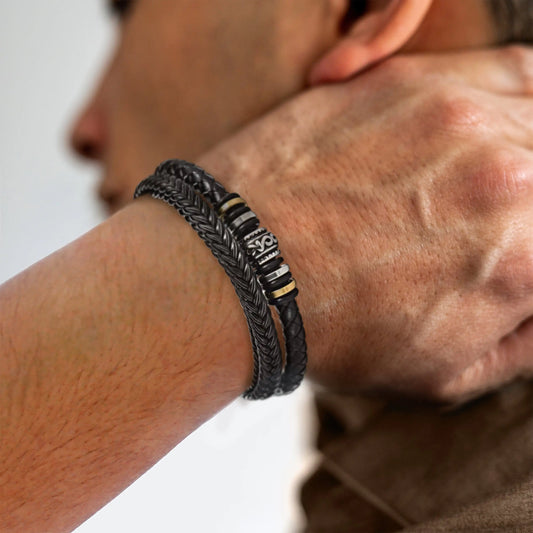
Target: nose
(88, 133)
(87, 137)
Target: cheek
(183, 88)
(166, 87)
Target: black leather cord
(295, 346)
(267, 354)
(286, 306)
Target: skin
(109, 391)
(123, 116)
(225, 89)
(469, 201)
(86, 391)
(128, 131)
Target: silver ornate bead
(261, 245)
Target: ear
(379, 33)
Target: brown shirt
(419, 468)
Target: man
(110, 374)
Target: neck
(455, 25)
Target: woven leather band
(251, 259)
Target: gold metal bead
(284, 290)
(229, 204)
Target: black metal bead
(226, 198)
(235, 211)
(270, 266)
(278, 283)
(246, 228)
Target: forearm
(112, 351)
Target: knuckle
(512, 276)
(467, 382)
(454, 111)
(521, 58)
(498, 177)
(449, 386)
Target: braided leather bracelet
(239, 235)
(267, 354)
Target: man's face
(186, 73)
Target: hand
(403, 202)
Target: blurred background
(238, 473)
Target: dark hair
(514, 19)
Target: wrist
(134, 327)
(189, 293)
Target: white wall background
(239, 472)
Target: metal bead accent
(239, 221)
(229, 204)
(261, 245)
(273, 276)
(283, 291)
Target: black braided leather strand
(295, 346)
(202, 182)
(267, 354)
(286, 306)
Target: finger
(486, 115)
(495, 117)
(517, 113)
(515, 354)
(507, 70)
(511, 359)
